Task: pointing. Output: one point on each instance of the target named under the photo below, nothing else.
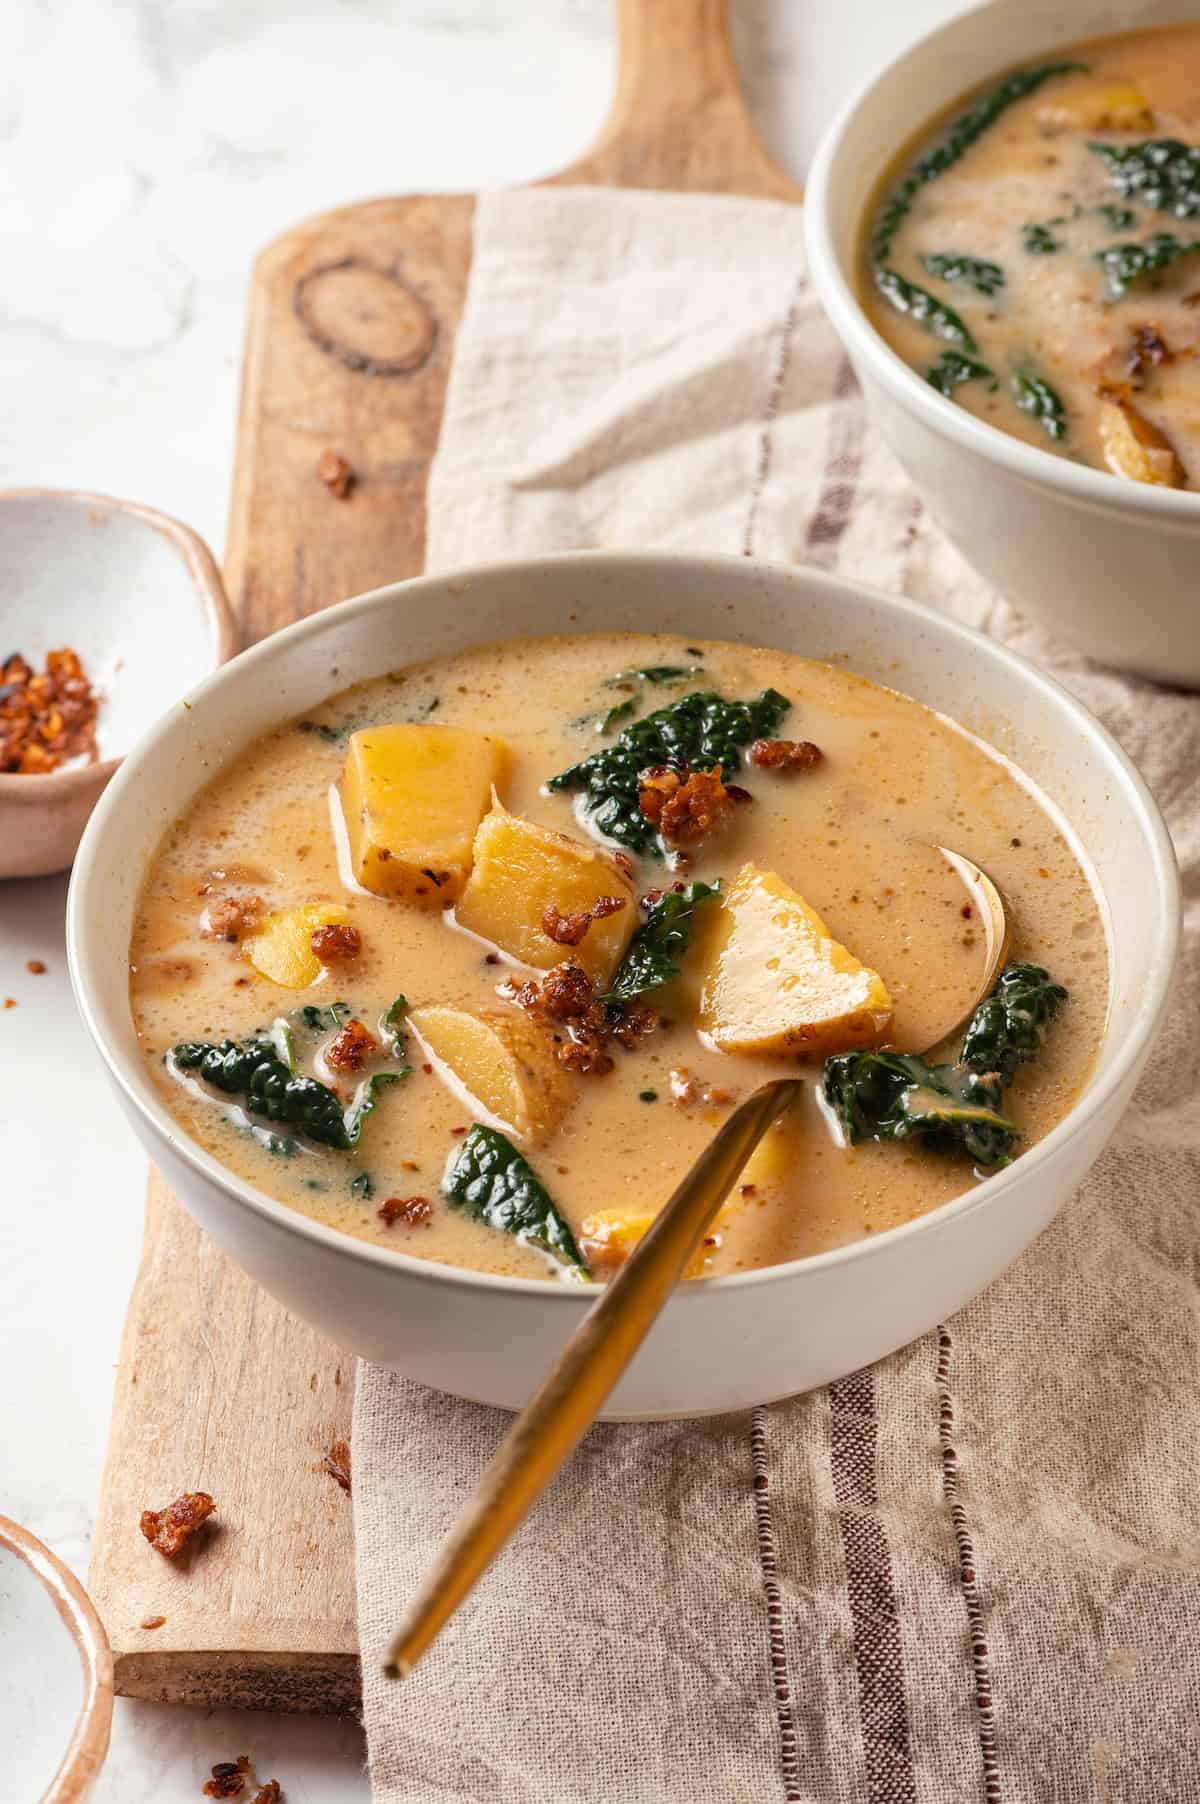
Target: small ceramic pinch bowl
(56, 1676)
(139, 597)
(720, 1343)
(1106, 563)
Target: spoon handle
(554, 1422)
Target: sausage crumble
(568, 930)
(46, 717)
(337, 1464)
(169, 1530)
(686, 806)
(566, 997)
(229, 917)
(409, 1211)
(785, 755)
(565, 930)
(336, 944)
(228, 1778)
(350, 1047)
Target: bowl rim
(85, 1752)
(1145, 1012)
(47, 788)
(1096, 488)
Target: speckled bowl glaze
(1106, 563)
(720, 1343)
(140, 598)
(56, 1675)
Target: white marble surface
(147, 151)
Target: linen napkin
(971, 1572)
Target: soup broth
(1037, 256)
(851, 829)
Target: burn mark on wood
(366, 316)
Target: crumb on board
(170, 1529)
(152, 1622)
(336, 472)
(337, 1463)
(228, 1778)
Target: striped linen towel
(972, 1572)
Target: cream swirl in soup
(1037, 256)
(472, 960)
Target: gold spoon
(571, 1395)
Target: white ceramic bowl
(726, 1342)
(1106, 563)
(139, 597)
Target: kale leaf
(1162, 173)
(953, 368)
(664, 937)
(362, 1185)
(390, 1032)
(1118, 218)
(323, 1020)
(1038, 240)
(1009, 1026)
(897, 1096)
(923, 307)
(489, 1179)
(252, 1071)
(954, 143)
(956, 266)
(658, 674)
(1035, 396)
(608, 723)
(652, 673)
(701, 729)
(1126, 263)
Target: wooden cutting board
(351, 333)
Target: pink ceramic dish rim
(88, 1745)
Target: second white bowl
(1106, 563)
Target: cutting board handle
(679, 118)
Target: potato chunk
(775, 980)
(503, 1061)
(520, 870)
(608, 1236)
(412, 798)
(1135, 448)
(280, 947)
(1115, 106)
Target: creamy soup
(1036, 256)
(837, 926)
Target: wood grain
(349, 341)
